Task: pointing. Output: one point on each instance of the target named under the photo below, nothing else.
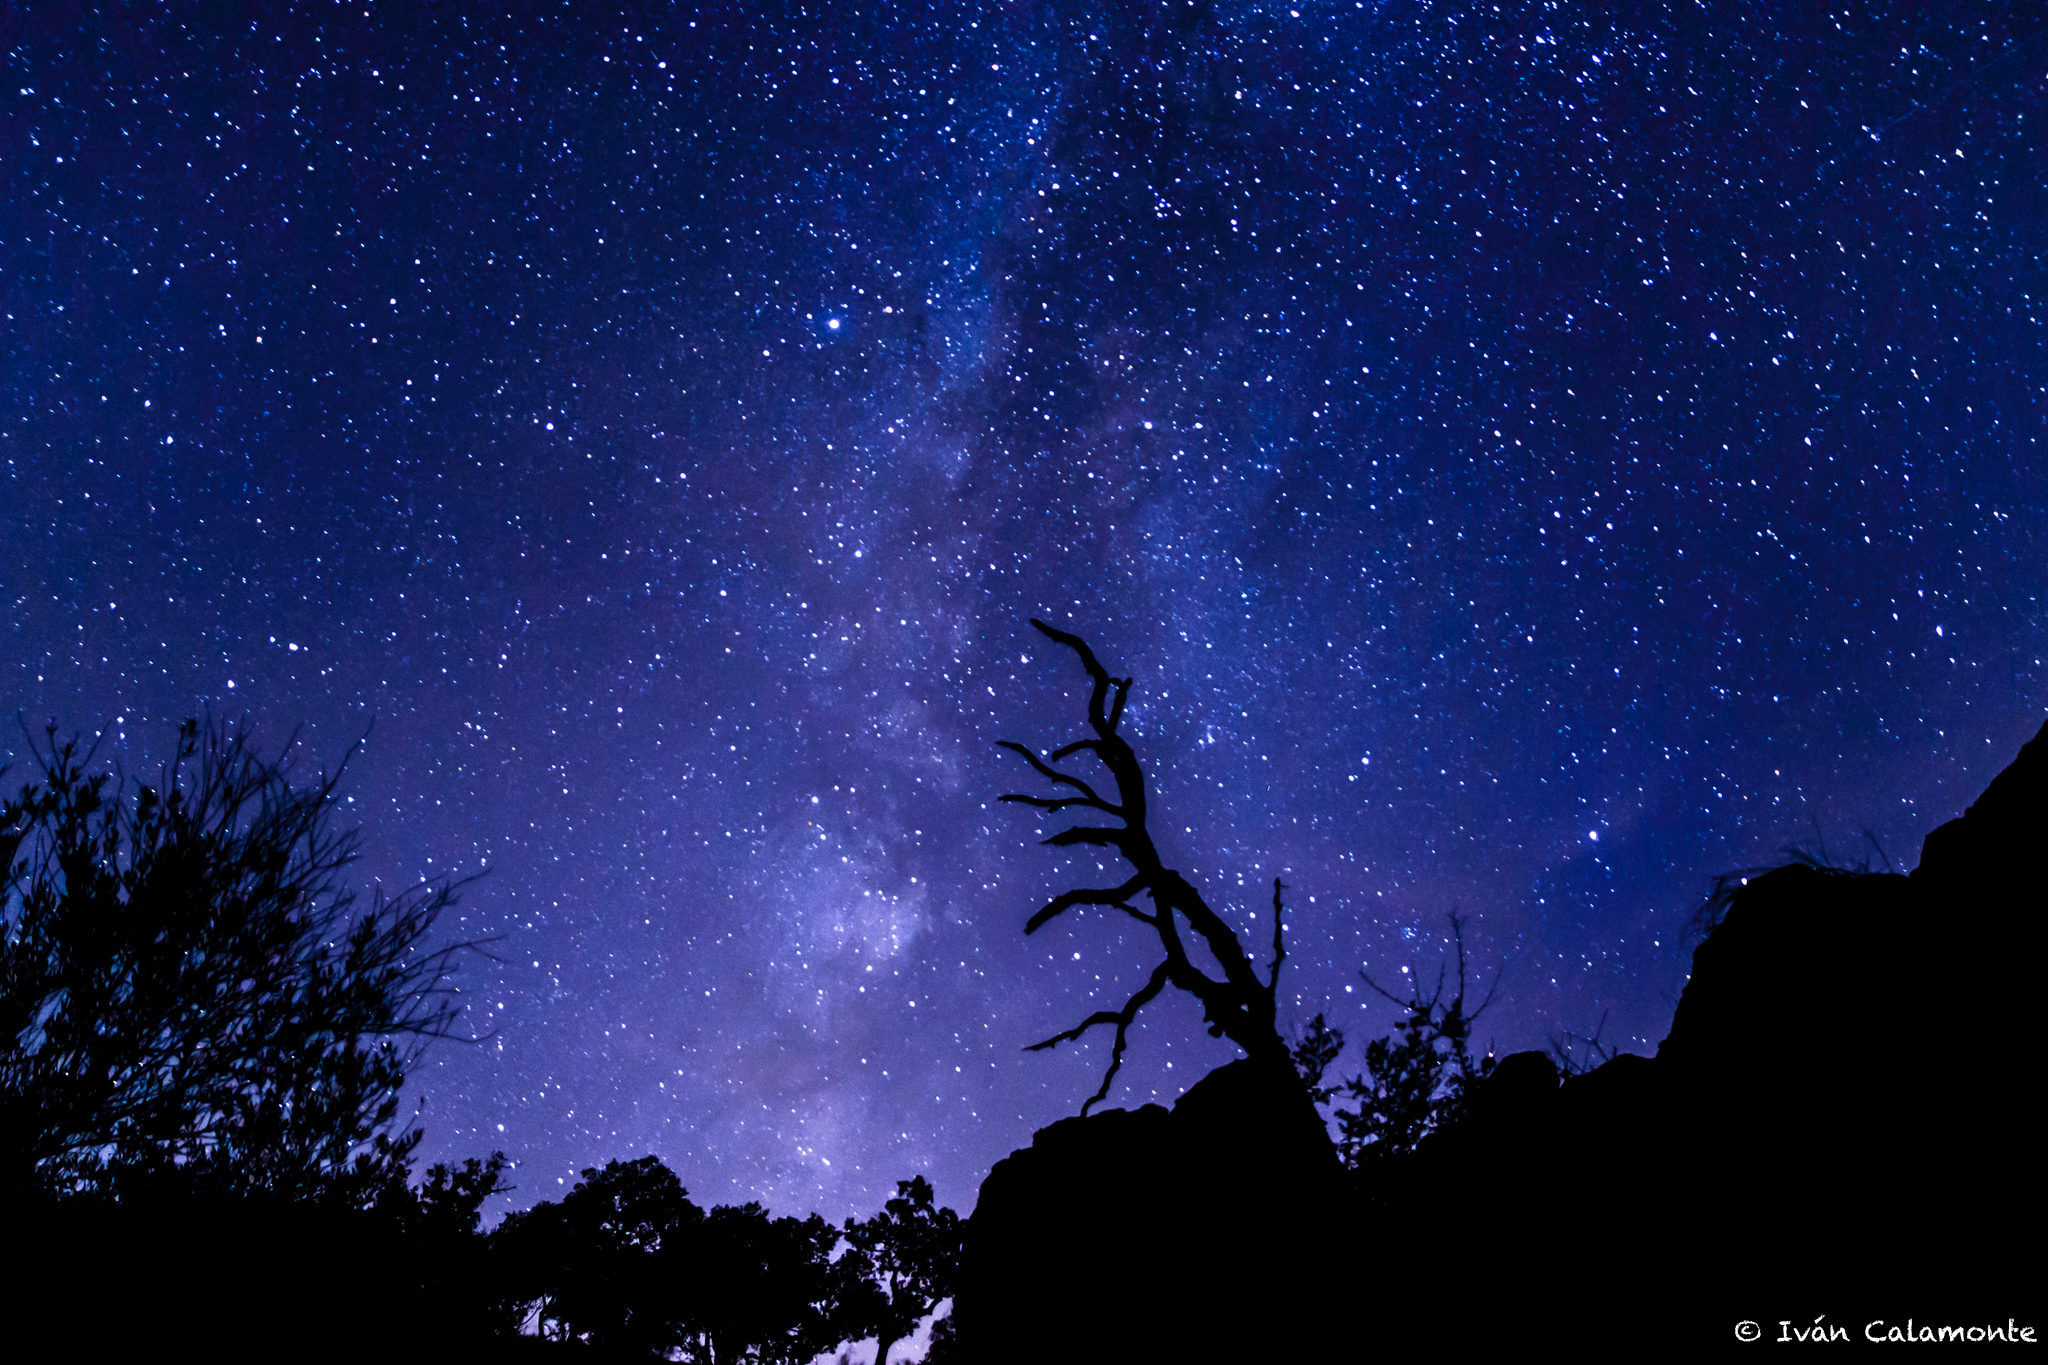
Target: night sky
(1532, 458)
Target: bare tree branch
(1078, 746)
(1595, 1053)
(1430, 1001)
(1094, 835)
(1057, 803)
(1122, 1019)
(1067, 900)
(1052, 773)
(1239, 1006)
(1116, 715)
(1104, 726)
(1135, 913)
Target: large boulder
(1152, 1233)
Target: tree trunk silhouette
(1239, 1006)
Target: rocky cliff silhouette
(1839, 1125)
(1132, 1235)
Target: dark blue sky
(1532, 459)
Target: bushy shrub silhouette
(1418, 1080)
(190, 993)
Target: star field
(1532, 458)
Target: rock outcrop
(1838, 1125)
(1151, 1234)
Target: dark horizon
(1529, 468)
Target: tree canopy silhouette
(1239, 1004)
(912, 1246)
(188, 988)
(767, 1289)
(589, 1267)
(626, 1264)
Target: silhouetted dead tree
(1240, 1006)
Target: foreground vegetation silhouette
(205, 1039)
(626, 1264)
(205, 1036)
(188, 989)
(198, 1105)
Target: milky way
(1530, 458)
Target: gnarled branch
(1240, 1005)
(1103, 725)
(1093, 835)
(1054, 803)
(1427, 1004)
(1046, 770)
(1122, 1019)
(1067, 900)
